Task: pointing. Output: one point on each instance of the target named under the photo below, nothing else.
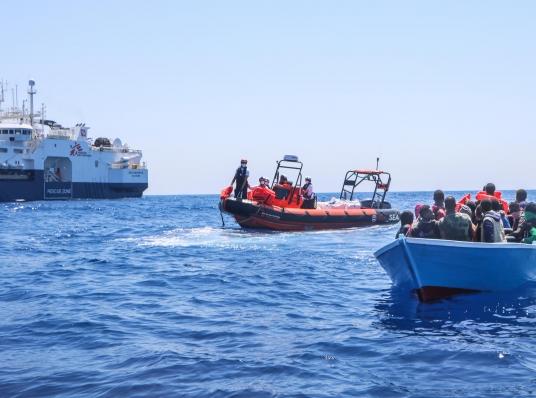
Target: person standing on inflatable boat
(308, 194)
(241, 178)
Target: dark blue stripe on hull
(34, 189)
(83, 190)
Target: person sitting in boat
(496, 207)
(521, 198)
(515, 215)
(241, 179)
(282, 188)
(527, 223)
(417, 211)
(439, 205)
(426, 225)
(406, 220)
(472, 205)
(262, 193)
(455, 226)
(308, 195)
(467, 210)
(489, 192)
(492, 227)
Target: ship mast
(32, 92)
(1, 94)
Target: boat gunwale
(455, 243)
(387, 247)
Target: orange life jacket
(463, 201)
(263, 194)
(496, 196)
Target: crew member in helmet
(308, 194)
(241, 179)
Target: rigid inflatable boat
(285, 211)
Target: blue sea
(151, 297)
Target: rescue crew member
(241, 179)
(308, 194)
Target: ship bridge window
(11, 131)
(3, 150)
(17, 150)
(17, 131)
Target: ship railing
(131, 166)
(60, 134)
(117, 150)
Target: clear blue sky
(444, 92)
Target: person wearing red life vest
(262, 193)
(491, 194)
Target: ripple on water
(151, 297)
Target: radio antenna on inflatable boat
(377, 163)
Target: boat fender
(226, 192)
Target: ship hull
(250, 214)
(440, 268)
(29, 185)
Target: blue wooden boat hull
(440, 268)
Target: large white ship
(42, 160)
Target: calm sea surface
(152, 298)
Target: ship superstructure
(42, 160)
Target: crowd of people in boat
(488, 219)
(282, 190)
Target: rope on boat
(221, 214)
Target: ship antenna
(1, 94)
(17, 96)
(32, 92)
(377, 163)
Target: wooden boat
(441, 268)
